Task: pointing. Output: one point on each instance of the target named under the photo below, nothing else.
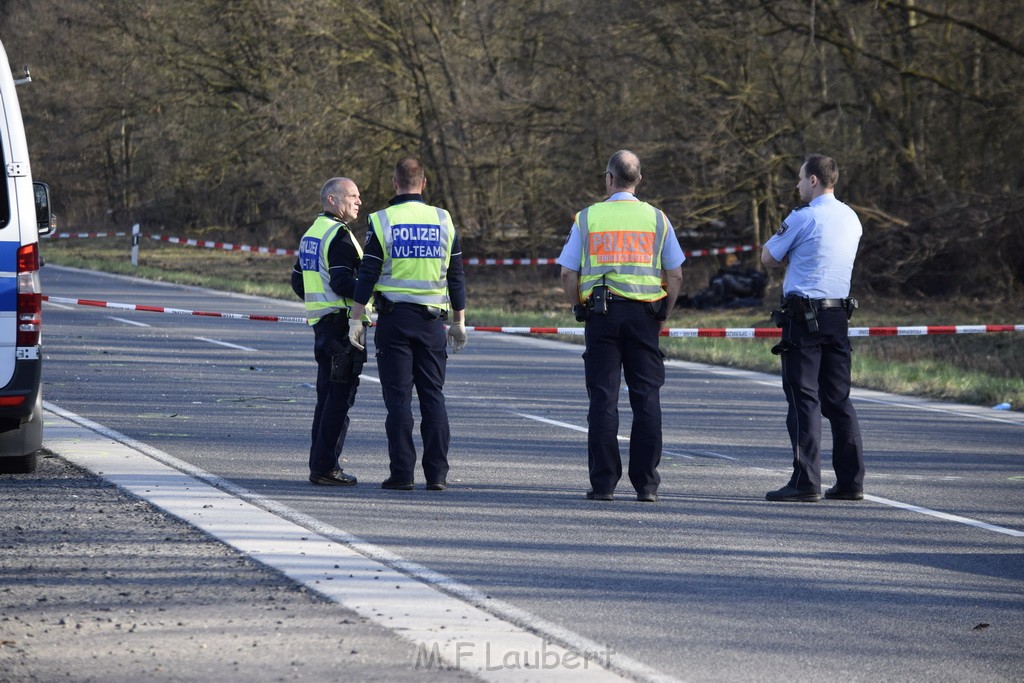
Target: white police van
(24, 215)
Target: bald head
(624, 167)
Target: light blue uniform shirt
(821, 241)
(572, 252)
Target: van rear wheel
(19, 464)
(24, 442)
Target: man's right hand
(357, 333)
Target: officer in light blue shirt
(817, 244)
(820, 240)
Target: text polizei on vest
(416, 241)
(309, 253)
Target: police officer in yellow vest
(325, 277)
(621, 272)
(413, 269)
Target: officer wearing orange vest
(621, 272)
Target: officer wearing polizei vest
(324, 276)
(413, 269)
(621, 272)
(818, 243)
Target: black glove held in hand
(658, 309)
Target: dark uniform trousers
(816, 379)
(333, 399)
(411, 351)
(624, 341)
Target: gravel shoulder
(96, 585)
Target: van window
(5, 204)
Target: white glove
(357, 334)
(457, 336)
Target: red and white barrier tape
(719, 250)
(551, 261)
(65, 235)
(774, 332)
(509, 261)
(176, 311)
(228, 246)
(706, 332)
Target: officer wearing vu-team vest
(621, 272)
(413, 269)
(818, 243)
(324, 276)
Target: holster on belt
(346, 360)
(784, 312)
(658, 309)
(598, 301)
(382, 303)
(347, 364)
(800, 308)
(851, 305)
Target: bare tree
(206, 115)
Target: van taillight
(30, 296)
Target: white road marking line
(129, 322)
(576, 428)
(556, 423)
(946, 516)
(452, 625)
(913, 477)
(954, 410)
(866, 395)
(877, 499)
(223, 343)
(712, 454)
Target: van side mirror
(44, 217)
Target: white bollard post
(135, 245)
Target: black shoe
(437, 485)
(790, 494)
(393, 485)
(335, 478)
(647, 497)
(836, 493)
(596, 495)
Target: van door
(21, 412)
(10, 232)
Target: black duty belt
(428, 312)
(829, 303)
(619, 297)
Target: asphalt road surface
(924, 580)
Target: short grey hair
(332, 186)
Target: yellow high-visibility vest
(622, 243)
(417, 242)
(320, 299)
